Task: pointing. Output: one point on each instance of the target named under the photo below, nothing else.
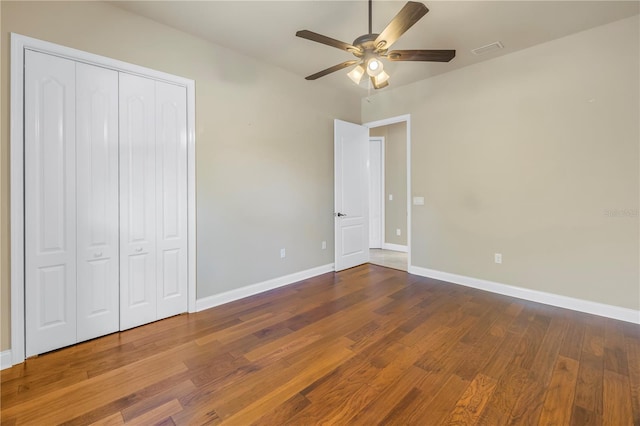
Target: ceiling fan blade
(421, 55)
(409, 15)
(319, 38)
(378, 86)
(332, 69)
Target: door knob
(96, 255)
(339, 214)
(139, 249)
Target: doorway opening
(389, 192)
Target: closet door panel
(97, 200)
(171, 198)
(50, 203)
(137, 201)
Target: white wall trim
(253, 289)
(6, 359)
(587, 306)
(395, 247)
(406, 118)
(16, 173)
(18, 45)
(382, 186)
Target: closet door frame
(19, 44)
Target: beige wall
(395, 181)
(534, 155)
(264, 142)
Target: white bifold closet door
(71, 202)
(50, 202)
(153, 202)
(97, 201)
(171, 199)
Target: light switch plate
(390, 197)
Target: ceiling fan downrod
(370, 16)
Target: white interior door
(97, 201)
(351, 177)
(171, 199)
(376, 176)
(50, 202)
(137, 201)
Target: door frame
(19, 44)
(381, 188)
(406, 118)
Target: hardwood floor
(369, 345)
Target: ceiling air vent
(491, 47)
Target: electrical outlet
(283, 253)
(497, 257)
(398, 232)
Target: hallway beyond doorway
(388, 258)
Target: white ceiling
(265, 30)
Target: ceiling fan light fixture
(356, 74)
(374, 67)
(381, 78)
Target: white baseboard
(250, 290)
(595, 308)
(6, 359)
(394, 247)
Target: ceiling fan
(370, 48)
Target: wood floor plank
(616, 404)
(158, 414)
(472, 402)
(237, 331)
(429, 408)
(589, 386)
(393, 362)
(112, 420)
(557, 408)
(633, 351)
(544, 362)
(171, 395)
(531, 341)
(526, 410)
(508, 389)
(387, 398)
(583, 417)
(442, 354)
(368, 345)
(476, 356)
(572, 342)
(284, 412)
(615, 353)
(304, 377)
(502, 357)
